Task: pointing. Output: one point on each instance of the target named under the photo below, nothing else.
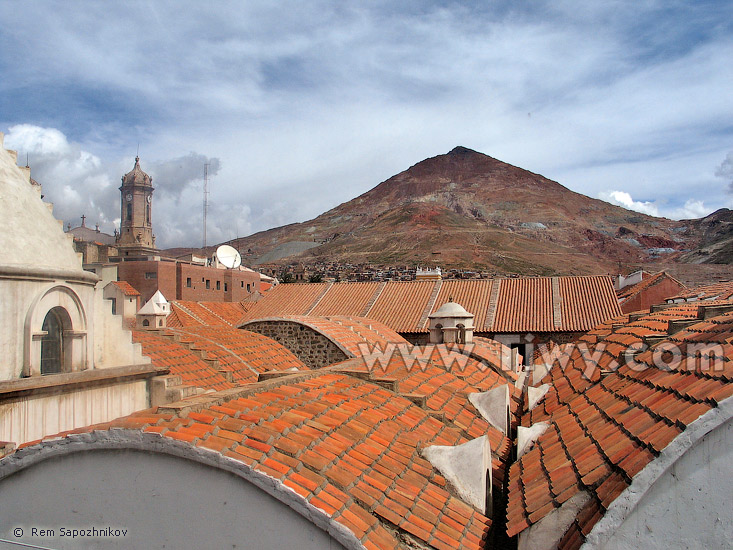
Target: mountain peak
(460, 150)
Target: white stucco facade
(54, 322)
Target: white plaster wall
(690, 505)
(29, 234)
(14, 299)
(113, 346)
(162, 501)
(31, 418)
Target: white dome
(451, 309)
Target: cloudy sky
(300, 106)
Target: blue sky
(303, 105)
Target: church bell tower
(136, 204)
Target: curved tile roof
(189, 313)
(441, 377)
(603, 432)
(350, 448)
(241, 353)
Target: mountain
(466, 209)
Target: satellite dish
(228, 256)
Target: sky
(300, 106)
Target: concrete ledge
(47, 274)
(52, 383)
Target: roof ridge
(213, 313)
(189, 312)
(373, 300)
(430, 305)
(319, 298)
(556, 303)
(493, 303)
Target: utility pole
(206, 197)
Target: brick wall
(172, 279)
(224, 285)
(655, 294)
(311, 347)
(147, 276)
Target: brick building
(140, 264)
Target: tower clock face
(149, 198)
(128, 197)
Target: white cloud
(692, 208)
(78, 182)
(312, 105)
(621, 198)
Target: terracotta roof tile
(346, 299)
(716, 291)
(524, 304)
(586, 301)
(359, 434)
(126, 288)
(610, 427)
(188, 313)
(242, 353)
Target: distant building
(428, 274)
(646, 291)
(137, 261)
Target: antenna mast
(206, 197)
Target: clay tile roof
(500, 305)
(350, 448)
(524, 305)
(716, 291)
(126, 288)
(605, 429)
(349, 299)
(586, 301)
(230, 353)
(400, 305)
(189, 313)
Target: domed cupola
(136, 176)
(451, 323)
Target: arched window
(439, 333)
(147, 214)
(461, 334)
(129, 212)
(146, 323)
(53, 346)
